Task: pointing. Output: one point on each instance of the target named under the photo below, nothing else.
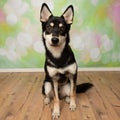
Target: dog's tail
(81, 88)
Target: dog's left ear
(68, 14)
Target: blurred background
(95, 32)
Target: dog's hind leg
(65, 92)
(47, 87)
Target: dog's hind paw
(67, 99)
(47, 100)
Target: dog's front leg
(56, 110)
(72, 94)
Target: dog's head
(56, 29)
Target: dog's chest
(70, 69)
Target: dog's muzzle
(55, 41)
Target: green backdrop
(95, 33)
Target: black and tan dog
(60, 65)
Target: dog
(60, 64)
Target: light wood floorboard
(21, 97)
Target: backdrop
(95, 33)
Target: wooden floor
(21, 98)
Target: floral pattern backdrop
(95, 33)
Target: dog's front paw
(72, 107)
(56, 115)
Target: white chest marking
(56, 51)
(70, 69)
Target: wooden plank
(21, 98)
(85, 107)
(113, 83)
(46, 113)
(97, 104)
(112, 98)
(36, 104)
(25, 109)
(15, 103)
(103, 92)
(4, 84)
(67, 114)
(7, 96)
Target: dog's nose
(55, 40)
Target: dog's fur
(60, 64)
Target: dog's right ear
(45, 13)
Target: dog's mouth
(53, 45)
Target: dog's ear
(45, 13)
(68, 14)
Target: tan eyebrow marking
(52, 24)
(60, 25)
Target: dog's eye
(62, 29)
(49, 28)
